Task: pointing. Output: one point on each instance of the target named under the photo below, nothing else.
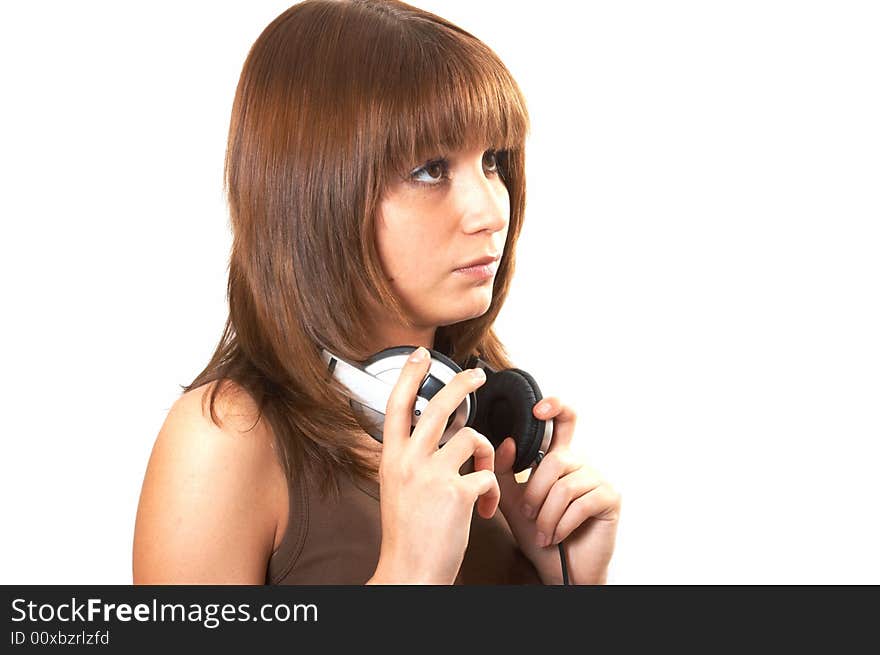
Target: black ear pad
(505, 404)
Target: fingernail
(528, 511)
(541, 540)
(544, 408)
(479, 374)
(418, 354)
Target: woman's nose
(484, 203)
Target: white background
(698, 274)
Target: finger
(467, 443)
(483, 488)
(505, 456)
(600, 503)
(511, 489)
(432, 422)
(563, 492)
(402, 400)
(564, 421)
(555, 465)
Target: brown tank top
(337, 543)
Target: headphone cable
(565, 581)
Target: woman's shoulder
(249, 438)
(238, 430)
(214, 493)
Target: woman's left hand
(564, 498)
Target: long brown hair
(336, 100)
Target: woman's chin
(466, 313)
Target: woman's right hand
(426, 504)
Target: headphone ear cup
(387, 364)
(505, 404)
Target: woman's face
(447, 214)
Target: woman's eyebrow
(457, 154)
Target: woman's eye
(436, 171)
(493, 158)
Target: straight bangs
(448, 92)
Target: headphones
(501, 407)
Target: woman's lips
(480, 272)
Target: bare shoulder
(212, 496)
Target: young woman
(375, 151)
